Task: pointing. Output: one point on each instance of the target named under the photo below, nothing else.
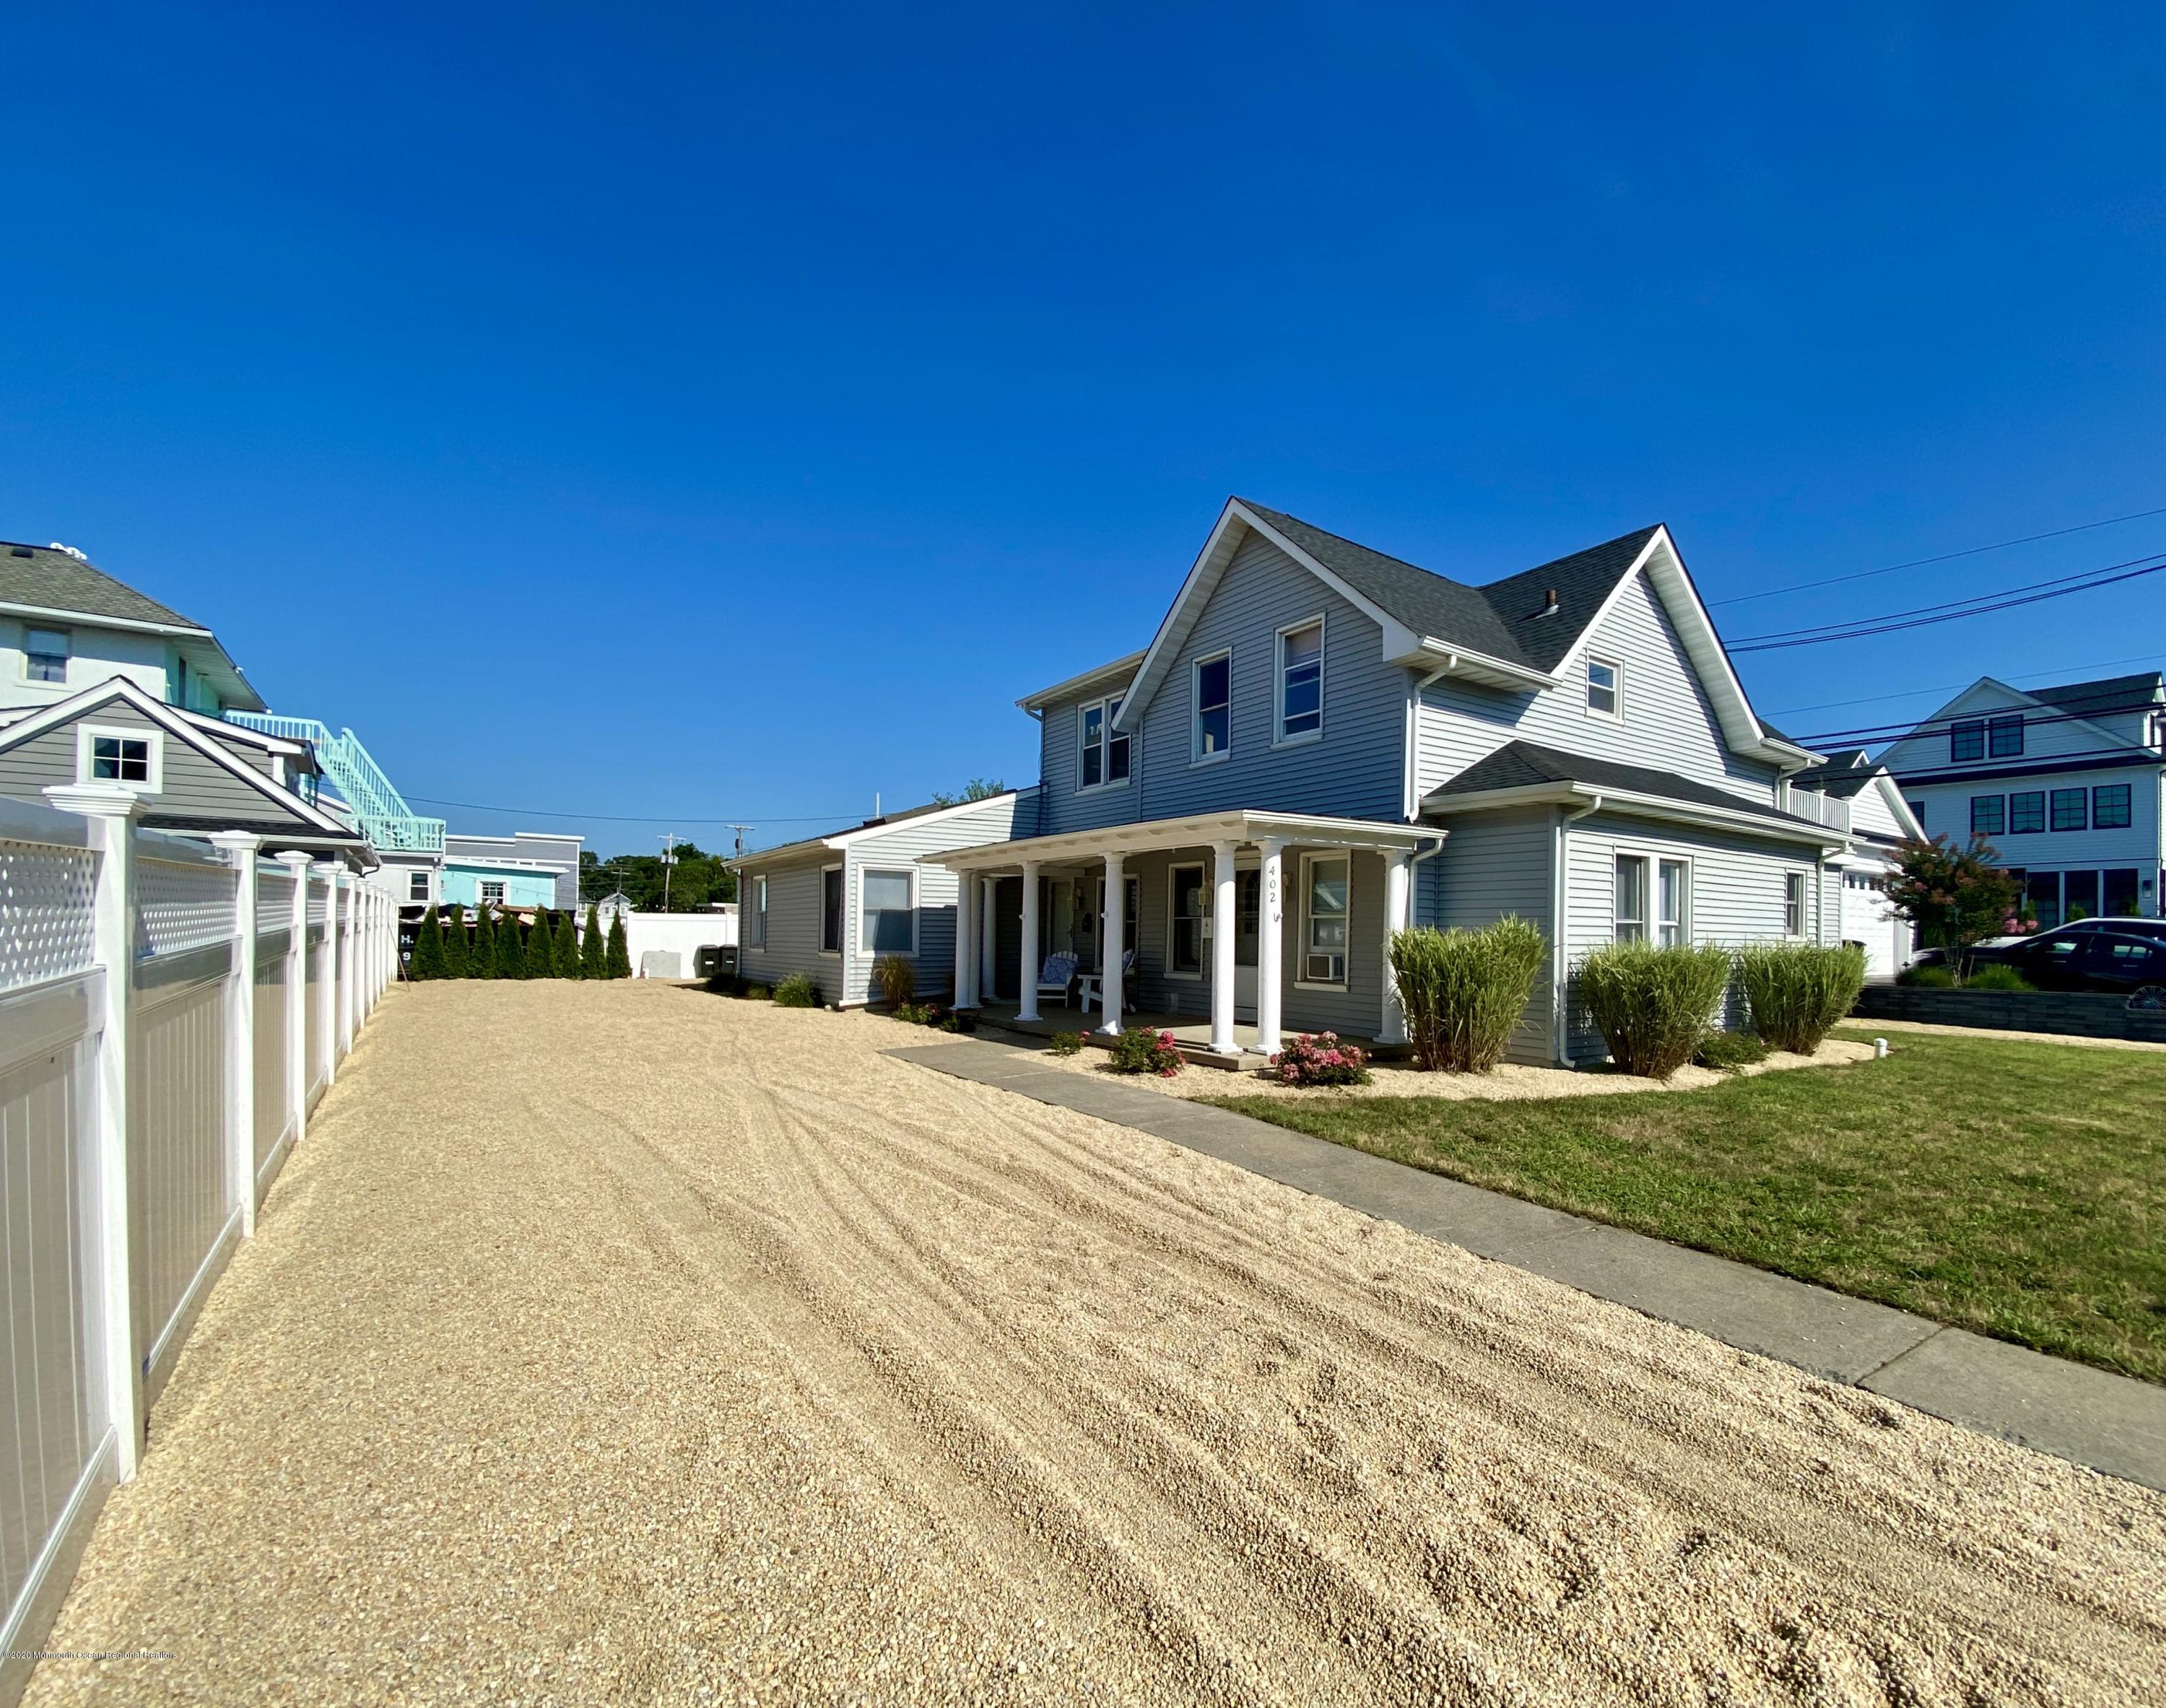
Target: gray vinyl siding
(793, 930)
(911, 845)
(1492, 864)
(1061, 805)
(1354, 771)
(1737, 893)
(1668, 724)
(193, 787)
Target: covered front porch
(1229, 929)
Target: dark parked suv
(2083, 956)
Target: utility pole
(668, 860)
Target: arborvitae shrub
(593, 950)
(510, 948)
(567, 946)
(427, 960)
(620, 951)
(481, 958)
(457, 957)
(538, 957)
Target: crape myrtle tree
(1956, 897)
(427, 960)
(457, 964)
(620, 951)
(593, 952)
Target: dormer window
(2004, 737)
(1104, 752)
(45, 654)
(1966, 739)
(1605, 688)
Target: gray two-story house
(1322, 744)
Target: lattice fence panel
(274, 903)
(182, 905)
(46, 894)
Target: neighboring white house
(2064, 783)
(1852, 790)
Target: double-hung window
(2071, 809)
(1988, 815)
(417, 886)
(45, 654)
(1674, 904)
(1301, 682)
(1967, 740)
(1213, 691)
(2026, 812)
(1605, 688)
(2109, 806)
(1105, 753)
(890, 924)
(830, 910)
(760, 913)
(1629, 910)
(2004, 737)
(1189, 922)
(1326, 908)
(1793, 904)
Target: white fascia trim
(1650, 806)
(1892, 792)
(120, 687)
(1120, 670)
(90, 620)
(866, 833)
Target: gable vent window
(1605, 688)
(119, 759)
(1214, 707)
(45, 654)
(1301, 682)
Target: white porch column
(989, 938)
(1398, 897)
(1223, 947)
(327, 873)
(1270, 947)
(965, 994)
(240, 847)
(1027, 987)
(1117, 937)
(297, 997)
(110, 833)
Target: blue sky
(727, 413)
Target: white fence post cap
(244, 841)
(103, 800)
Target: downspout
(1560, 921)
(1412, 781)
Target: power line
(1924, 616)
(1944, 557)
(631, 819)
(2032, 720)
(1952, 687)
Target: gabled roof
(1844, 775)
(1113, 674)
(869, 828)
(2108, 694)
(1526, 770)
(1508, 634)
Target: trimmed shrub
(1320, 1059)
(537, 954)
(510, 948)
(1728, 1051)
(566, 958)
(1797, 991)
(457, 957)
(1463, 992)
(1927, 977)
(1997, 975)
(481, 958)
(897, 978)
(1066, 1043)
(593, 952)
(616, 962)
(1653, 1006)
(796, 991)
(1145, 1051)
(427, 960)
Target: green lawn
(2016, 1189)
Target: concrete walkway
(2111, 1423)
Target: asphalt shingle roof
(1845, 773)
(1526, 765)
(2109, 693)
(57, 581)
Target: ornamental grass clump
(1653, 1006)
(1725, 1052)
(1797, 991)
(1145, 1051)
(897, 978)
(1463, 992)
(1320, 1059)
(796, 991)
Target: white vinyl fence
(170, 1012)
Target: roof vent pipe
(1549, 603)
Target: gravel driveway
(626, 1344)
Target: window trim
(85, 734)
(1645, 862)
(842, 910)
(2036, 829)
(2000, 812)
(1278, 736)
(1344, 981)
(1196, 756)
(1654, 900)
(1795, 878)
(67, 656)
(483, 899)
(2054, 810)
(422, 874)
(908, 873)
(1105, 708)
(1616, 669)
(2127, 819)
(1994, 727)
(1961, 729)
(1204, 918)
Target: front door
(1247, 894)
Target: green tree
(695, 878)
(481, 958)
(620, 951)
(977, 789)
(1954, 896)
(537, 955)
(456, 963)
(427, 960)
(566, 958)
(510, 950)
(593, 952)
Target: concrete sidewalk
(2109, 1423)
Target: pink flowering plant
(1146, 1052)
(1318, 1058)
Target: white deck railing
(1821, 809)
